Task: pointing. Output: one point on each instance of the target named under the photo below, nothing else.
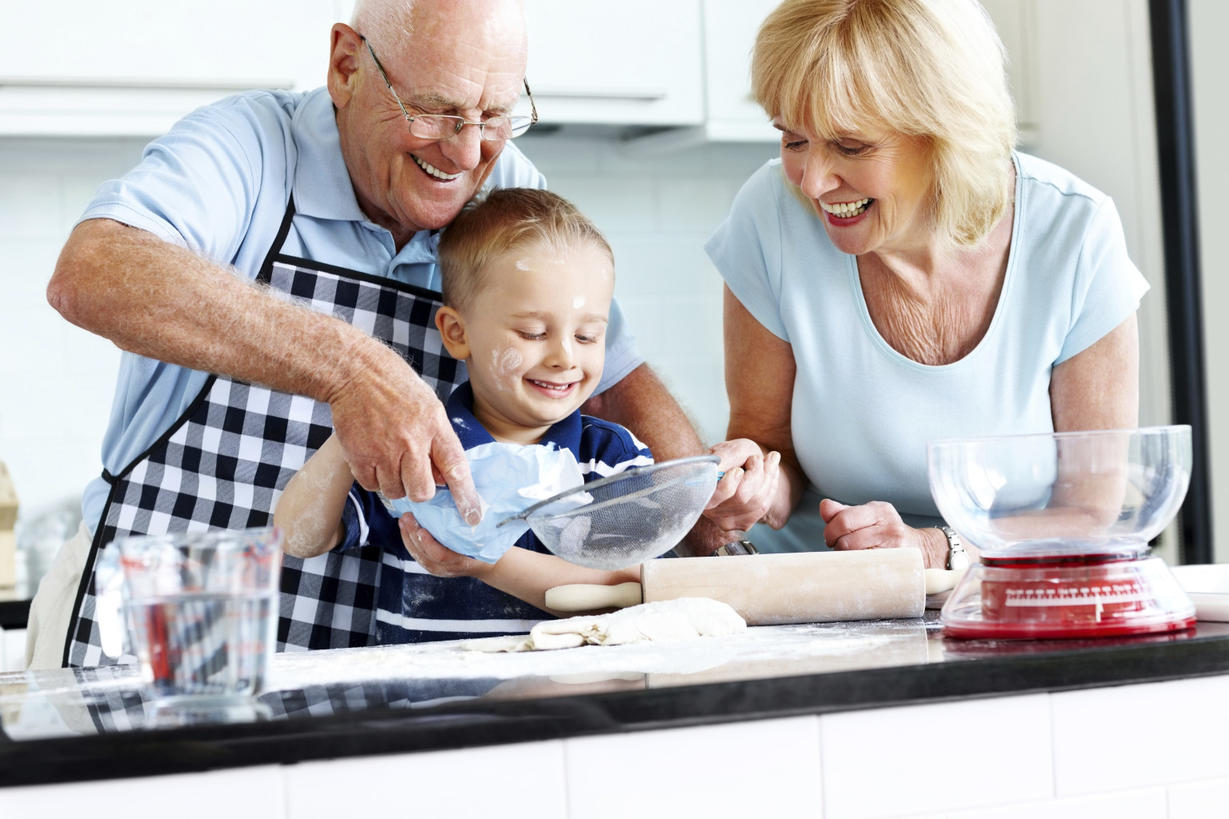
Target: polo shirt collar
(322, 186)
(564, 434)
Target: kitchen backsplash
(656, 209)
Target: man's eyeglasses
(444, 126)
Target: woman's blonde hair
(505, 219)
(933, 69)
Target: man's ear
(452, 331)
(344, 56)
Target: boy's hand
(433, 556)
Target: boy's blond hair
(505, 219)
(925, 68)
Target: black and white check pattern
(224, 463)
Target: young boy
(527, 286)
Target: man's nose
(464, 148)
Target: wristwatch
(957, 557)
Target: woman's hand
(433, 556)
(746, 492)
(877, 525)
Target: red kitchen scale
(1064, 522)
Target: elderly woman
(901, 274)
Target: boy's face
(533, 336)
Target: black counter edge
(466, 724)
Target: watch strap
(957, 557)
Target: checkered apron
(223, 463)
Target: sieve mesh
(627, 518)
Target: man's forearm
(161, 301)
(641, 402)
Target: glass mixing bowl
(1106, 492)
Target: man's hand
(397, 437)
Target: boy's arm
(309, 509)
(521, 573)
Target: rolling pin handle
(591, 596)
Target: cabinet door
(134, 67)
(635, 62)
(729, 37)
(1015, 21)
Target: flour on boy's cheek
(505, 365)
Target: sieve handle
(591, 596)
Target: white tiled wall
(1153, 751)
(56, 381)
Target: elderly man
(330, 201)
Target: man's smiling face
(465, 59)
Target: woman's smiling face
(872, 190)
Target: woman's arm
(309, 509)
(521, 573)
(763, 479)
(1099, 387)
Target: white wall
(56, 380)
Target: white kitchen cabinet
(1016, 22)
(729, 29)
(636, 62)
(132, 69)
(729, 37)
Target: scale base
(1066, 597)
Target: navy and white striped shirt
(415, 606)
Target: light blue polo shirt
(217, 184)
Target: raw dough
(664, 621)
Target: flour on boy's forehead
(521, 264)
(578, 302)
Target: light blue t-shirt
(862, 412)
(217, 184)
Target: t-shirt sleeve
(1108, 286)
(354, 519)
(621, 354)
(746, 248)
(197, 185)
(513, 170)
(610, 448)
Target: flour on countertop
(809, 648)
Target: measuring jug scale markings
(204, 644)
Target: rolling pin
(773, 589)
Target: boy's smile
(533, 336)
